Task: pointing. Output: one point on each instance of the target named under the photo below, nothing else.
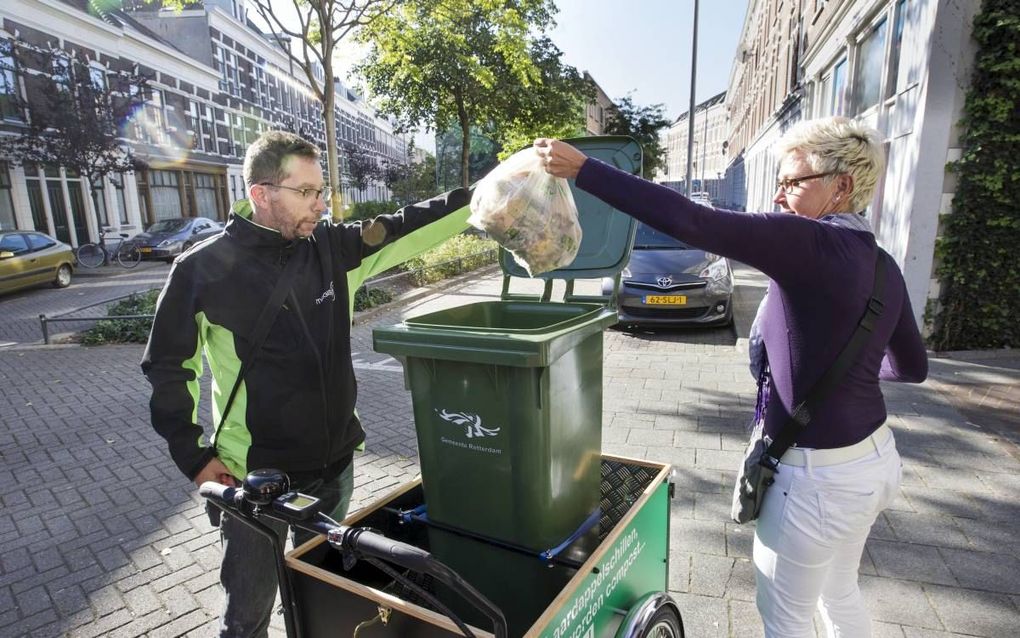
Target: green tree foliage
(362, 168)
(411, 182)
(978, 265)
(558, 112)
(446, 64)
(517, 138)
(644, 124)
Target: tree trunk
(465, 143)
(329, 113)
(332, 155)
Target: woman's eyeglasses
(306, 193)
(792, 183)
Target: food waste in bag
(528, 212)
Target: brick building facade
(216, 83)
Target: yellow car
(28, 258)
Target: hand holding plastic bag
(528, 212)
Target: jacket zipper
(322, 378)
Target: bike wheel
(89, 255)
(129, 257)
(665, 624)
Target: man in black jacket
(294, 408)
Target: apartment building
(901, 66)
(763, 99)
(597, 111)
(216, 83)
(708, 163)
(484, 150)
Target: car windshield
(168, 226)
(648, 238)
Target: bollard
(45, 329)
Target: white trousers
(809, 540)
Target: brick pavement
(101, 536)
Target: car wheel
(63, 278)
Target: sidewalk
(102, 537)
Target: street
(102, 536)
(21, 310)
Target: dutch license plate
(666, 300)
(145, 250)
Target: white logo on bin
(472, 424)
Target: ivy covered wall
(979, 251)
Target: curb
(976, 355)
(109, 272)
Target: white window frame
(866, 30)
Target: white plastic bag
(528, 212)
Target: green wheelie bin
(507, 395)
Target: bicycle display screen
(297, 505)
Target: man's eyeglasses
(306, 193)
(792, 183)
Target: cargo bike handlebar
(266, 493)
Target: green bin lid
(607, 234)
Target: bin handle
(588, 523)
(611, 300)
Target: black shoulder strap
(261, 330)
(802, 413)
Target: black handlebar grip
(372, 544)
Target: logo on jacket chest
(329, 294)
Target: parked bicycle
(96, 254)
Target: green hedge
(126, 330)
(368, 210)
(979, 269)
(365, 299)
(457, 255)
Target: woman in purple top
(844, 469)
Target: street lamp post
(690, 109)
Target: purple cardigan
(821, 278)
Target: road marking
(4, 344)
(389, 364)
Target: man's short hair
(264, 161)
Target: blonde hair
(839, 145)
